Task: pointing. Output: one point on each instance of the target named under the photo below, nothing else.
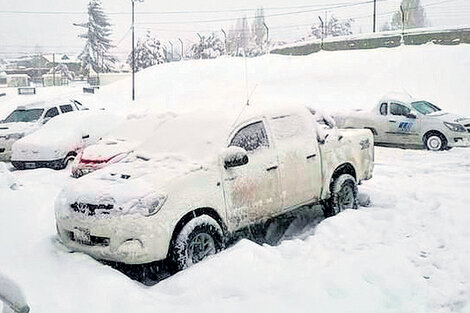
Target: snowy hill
(333, 80)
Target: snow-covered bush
(208, 47)
(148, 52)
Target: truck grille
(93, 240)
(91, 209)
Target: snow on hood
(63, 134)
(17, 128)
(450, 117)
(131, 185)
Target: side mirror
(234, 156)
(410, 115)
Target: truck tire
(199, 238)
(435, 141)
(343, 195)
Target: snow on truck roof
(202, 134)
(398, 96)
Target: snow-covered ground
(407, 252)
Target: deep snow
(407, 252)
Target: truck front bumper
(130, 239)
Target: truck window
(66, 108)
(51, 113)
(286, 126)
(398, 109)
(383, 109)
(251, 137)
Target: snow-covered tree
(148, 52)
(258, 30)
(415, 16)
(208, 47)
(98, 29)
(239, 38)
(334, 27)
(63, 71)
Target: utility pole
(402, 25)
(133, 50)
(267, 37)
(182, 49)
(53, 69)
(322, 31)
(375, 15)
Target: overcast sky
(36, 25)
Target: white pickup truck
(201, 177)
(400, 120)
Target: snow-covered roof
(398, 96)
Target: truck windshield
(425, 107)
(25, 116)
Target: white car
(398, 119)
(57, 143)
(26, 119)
(115, 147)
(201, 177)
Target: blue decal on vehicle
(405, 127)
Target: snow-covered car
(399, 119)
(26, 119)
(203, 176)
(58, 142)
(117, 146)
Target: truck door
(401, 128)
(299, 159)
(252, 190)
(382, 123)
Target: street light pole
(375, 14)
(133, 55)
(133, 50)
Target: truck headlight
(156, 204)
(455, 127)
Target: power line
(175, 12)
(269, 15)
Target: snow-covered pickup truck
(26, 119)
(400, 120)
(201, 177)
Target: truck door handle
(392, 121)
(271, 168)
(311, 156)
(230, 179)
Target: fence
(379, 40)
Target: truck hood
(131, 185)
(450, 117)
(17, 128)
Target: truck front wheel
(343, 195)
(198, 239)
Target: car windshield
(425, 107)
(25, 116)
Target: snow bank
(7, 180)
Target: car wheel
(344, 195)
(198, 239)
(435, 142)
(67, 161)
